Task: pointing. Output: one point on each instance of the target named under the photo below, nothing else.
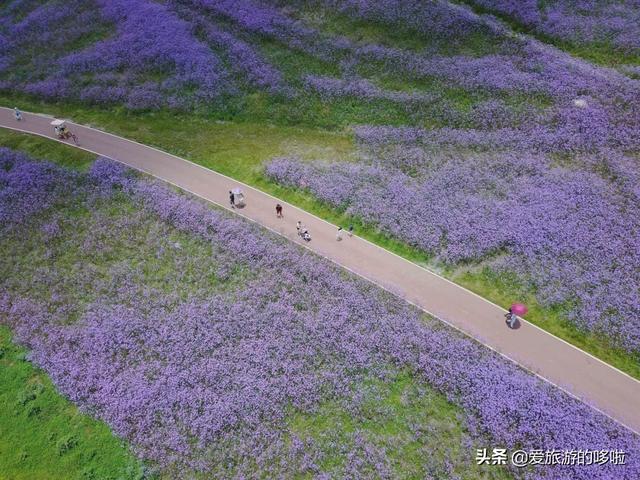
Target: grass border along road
(238, 150)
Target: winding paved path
(600, 385)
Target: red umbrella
(519, 308)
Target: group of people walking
(303, 231)
(511, 318)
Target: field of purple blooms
(219, 56)
(612, 23)
(548, 193)
(196, 336)
(553, 193)
(482, 147)
(569, 232)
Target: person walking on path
(17, 113)
(232, 199)
(303, 232)
(279, 210)
(339, 234)
(511, 318)
(350, 231)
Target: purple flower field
(197, 337)
(577, 21)
(556, 202)
(204, 380)
(200, 53)
(557, 198)
(570, 233)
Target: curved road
(600, 385)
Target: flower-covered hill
(213, 346)
(323, 63)
(218, 55)
(508, 155)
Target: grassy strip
(45, 436)
(39, 148)
(239, 150)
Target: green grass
(44, 436)
(233, 148)
(239, 151)
(418, 428)
(37, 147)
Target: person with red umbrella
(515, 310)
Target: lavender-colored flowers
(205, 381)
(577, 21)
(570, 235)
(146, 56)
(331, 88)
(201, 53)
(150, 38)
(243, 57)
(27, 187)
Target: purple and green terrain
(497, 142)
(213, 346)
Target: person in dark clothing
(511, 318)
(279, 210)
(232, 199)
